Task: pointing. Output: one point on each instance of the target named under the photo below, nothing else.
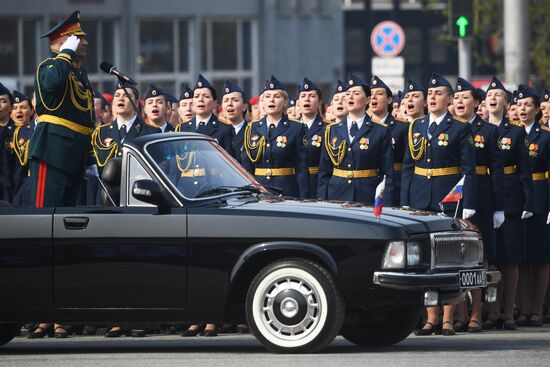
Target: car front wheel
(294, 306)
(8, 332)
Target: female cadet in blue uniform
(337, 103)
(441, 151)
(22, 115)
(533, 276)
(490, 189)
(358, 153)
(235, 109)
(185, 105)
(380, 102)
(274, 146)
(156, 104)
(6, 155)
(518, 201)
(310, 98)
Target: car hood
(408, 222)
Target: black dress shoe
(509, 324)
(138, 333)
(447, 332)
(460, 326)
(433, 329)
(115, 333)
(191, 332)
(243, 330)
(522, 320)
(474, 329)
(39, 333)
(536, 322)
(61, 332)
(209, 333)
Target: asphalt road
(525, 347)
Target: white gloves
(548, 219)
(498, 219)
(468, 213)
(91, 171)
(526, 215)
(71, 43)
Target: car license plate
(472, 278)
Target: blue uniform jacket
(6, 161)
(370, 149)
(398, 129)
(283, 148)
(237, 143)
(220, 131)
(518, 186)
(455, 150)
(313, 140)
(539, 163)
(490, 188)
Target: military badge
(316, 140)
(479, 141)
(443, 140)
(415, 137)
(533, 150)
(364, 143)
(254, 140)
(505, 143)
(107, 141)
(281, 141)
(21, 141)
(333, 142)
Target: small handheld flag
(378, 197)
(455, 195)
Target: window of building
(355, 46)
(351, 5)
(8, 47)
(381, 4)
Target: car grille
(456, 249)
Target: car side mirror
(148, 191)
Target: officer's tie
(353, 130)
(431, 129)
(271, 128)
(200, 127)
(122, 132)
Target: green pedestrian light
(462, 23)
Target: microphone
(110, 69)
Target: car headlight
(413, 253)
(394, 258)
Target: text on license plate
(472, 278)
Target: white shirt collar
(163, 127)
(128, 123)
(359, 124)
(203, 120)
(528, 128)
(276, 123)
(437, 120)
(383, 120)
(472, 120)
(308, 123)
(238, 127)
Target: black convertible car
(187, 235)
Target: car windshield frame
(226, 156)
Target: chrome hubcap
(289, 307)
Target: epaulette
(328, 121)
(378, 122)
(460, 119)
(225, 122)
(295, 121)
(254, 122)
(514, 123)
(401, 120)
(545, 128)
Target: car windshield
(200, 168)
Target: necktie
(431, 129)
(353, 130)
(271, 128)
(200, 128)
(122, 132)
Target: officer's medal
(415, 138)
(333, 142)
(316, 141)
(443, 140)
(533, 150)
(107, 142)
(505, 143)
(281, 141)
(364, 143)
(479, 141)
(254, 141)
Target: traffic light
(461, 18)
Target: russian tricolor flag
(455, 195)
(379, 196)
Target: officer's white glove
(498, 219)
(526, 215)
(71, 43)
(548, 219)
(91, 171)
(468, 213)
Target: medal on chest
(281, 141)
(364, 143)
(505, 143)
(533, 150)
(254, 141)
(479, 141)
(443, 140)
(415, 138)
(316, 141)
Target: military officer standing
(358, 153)
(60, 144)
(22, 114)
(7, 127)
(205, 122)
(235, 109)
(414, 100)
(274, 146)
(380, 102)
(155, 106)
(185, 105)
(337, 103)
(440, 152)
(310, 98)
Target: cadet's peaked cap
(202, 82)
(186, 92)
(154, 91)
(340, 87)
(463, 85)
(412, 86)
(496, 84)
(6, 91)
(379, 83)
(307, 86)
(355, 81)
(273, 84)
(437, 80)
(399, 97)
(69, 26)
(19, 97)
(122, 84)
(481, 93)
(97, 94)
(170, 98)
(230, 87)
(512, 97)
(525, 91)
(545, 96)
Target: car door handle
(76, 222)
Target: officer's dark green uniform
(60, 146)
(6, 154)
